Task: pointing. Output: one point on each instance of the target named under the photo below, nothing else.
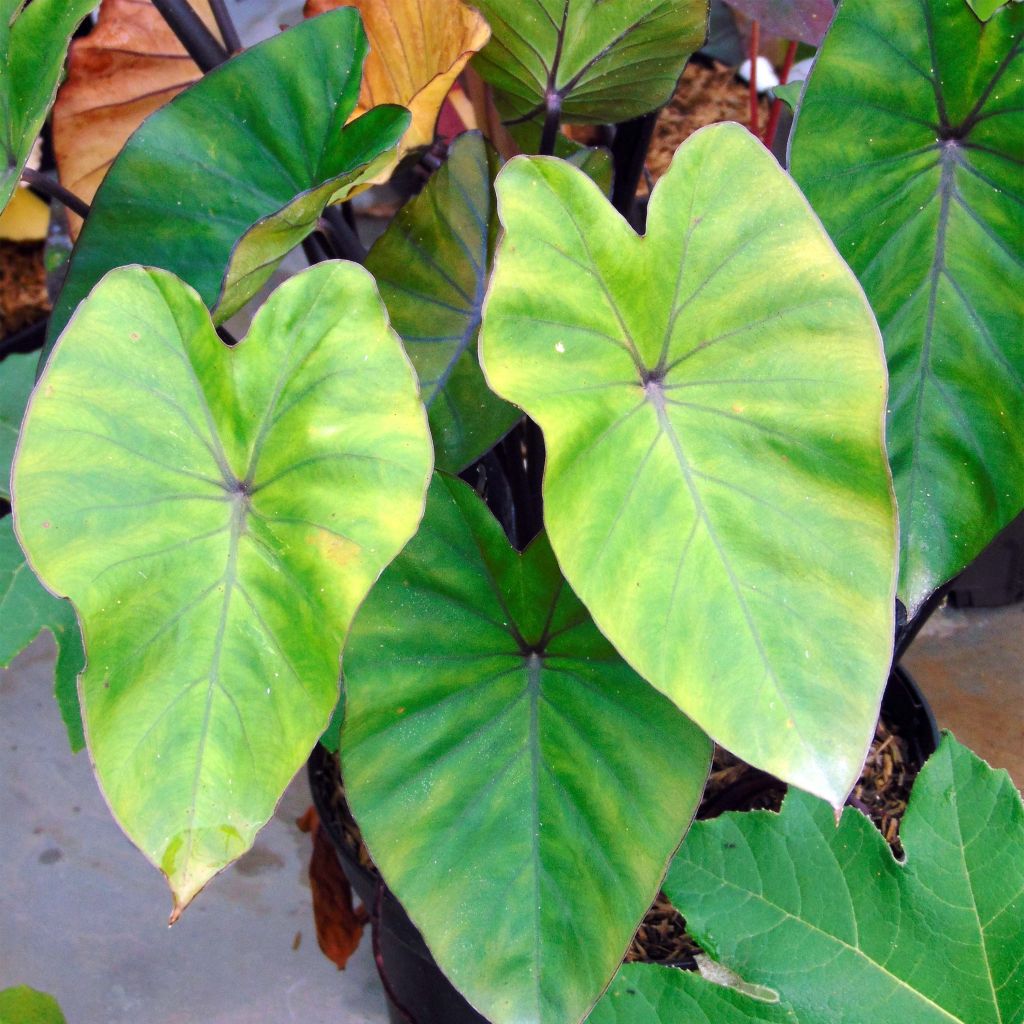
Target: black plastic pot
(407, 968)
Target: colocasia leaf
(432, 265)
(17, 375)
(26, 609)
(909, 145)
(803, 20)
(846, 935)
(712, 397)
(601, 60)
(33, 44)
(225, 179)
(216, 515)
(512, 776)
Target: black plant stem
(226, 24)
(317, 248)
(344, 236)
(378, 957)
(55, 190)
(198, 40)
(629, 154)
(907, 630)
(552, 122)
(27, 339)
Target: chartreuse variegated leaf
(216, 515)
(513, 778)
(220, 183)
(33, 44)
(711, 397)
(432, 265)
(26, 609)
(17, 375)
(826, 916)
(651, 994)
(910, 147)
(598, 60)
(24, 1005)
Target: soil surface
(705, 95)
(23, 298)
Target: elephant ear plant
(675, 522)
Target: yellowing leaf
(127, 67)
(25, 219)
(417, 50)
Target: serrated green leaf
(216, 515)
(24, 1005)
(26, 609)
(17, 375)
(511, 775)
(432, 265)
(711, 397)
(827, 918)
(650, 994)
(33, 45)
(608, 60)
(921, 107)
(219, 184)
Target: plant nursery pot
(412, 975)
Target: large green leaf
(844, 933)
(513, 778)
(17, 375)
(216, 515)
(26, 609)
(220, 183)
(33, 45)
(910, 147)
(432, 266)
(711, 397)
(24, 1005)
(601, 60)
(650, 994)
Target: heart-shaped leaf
(711, 397)
(922, 107)
(17, 375)
(216, 515)
(512, 777)
(650, 994)
(827, 918)
(417, 50)
(432, 265)
(802, 20)
(600, 61)
(225, 179)
(26, 609)
(33, 44)
(129, 65)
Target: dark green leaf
(17, 375)
(910, 147)
(520, 788)
(26, 609)
(432, 265)
(608, 60)
(33, 45)
(827, 918)
(220, 183)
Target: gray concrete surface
(84, 916)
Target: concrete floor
(82, 915)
